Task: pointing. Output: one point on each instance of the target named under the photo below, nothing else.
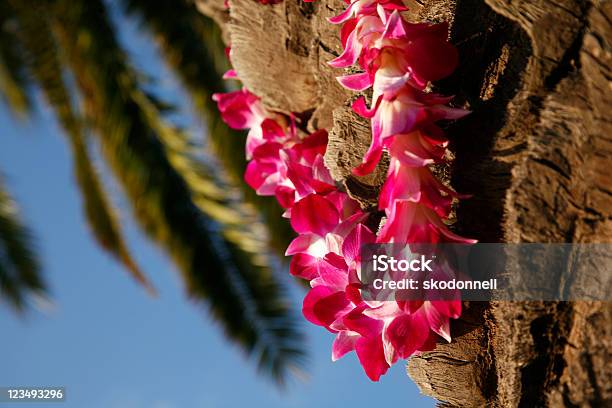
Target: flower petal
(360, 108)
(358, 322)
(359, 236)
(301, 244)
(371, 355)
(322, 305)
(344, 16)
(356, 82)
(230, 74)
(314, 214)
(304, 266)
(407, 333)
(344, 343)
(437, 322)
(271, 129)
(350, 54)
(432, 58)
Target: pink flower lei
(398, 59)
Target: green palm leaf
(43, 63)
(19, 266)
(137, 144)
(13, 79)
(192, 46)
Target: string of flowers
(399, 60)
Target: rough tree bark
(534, 153)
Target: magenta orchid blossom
(398, 61)
(282, 163)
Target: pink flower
(358, 8)
(290, 170)
(379, 334)
(395, 51)
(411, 222)
(404, 112)
(322, 231)
(422, 147)
(407, 327)
(320, 239)
(266, 174)
(328, 308)
(243, 110)
(239, 109)
(418, 185)
(334, 302)
(305, 167)
(399, 60)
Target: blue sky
(110, 344)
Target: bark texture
(535, 154)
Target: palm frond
(44, 65)
(192, 46)
(245, 298)
(20, 272)
(13, 79)
(211, 191)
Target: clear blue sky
(110, 344)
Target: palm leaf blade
(247, 302)
(191, 44)
(19, 266)
(44, 64)
(13, 80)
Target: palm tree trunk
(534, 154)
